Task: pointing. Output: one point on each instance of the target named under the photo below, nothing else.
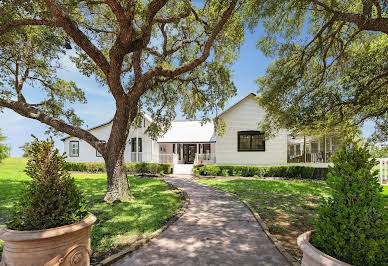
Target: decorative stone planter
(312, 256)
(65, 245)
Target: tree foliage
(352, 224)
(4, 150)
(331, 64)
(26, 148)
(152, 55)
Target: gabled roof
(237, 103)
(190, 132)
(148, 117)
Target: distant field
(118, 224)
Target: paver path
(216, 229)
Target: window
(179, 151)
(134, 146)
(206, 148)
(74, 148)
(97, 153)
(173, 148)
(250, 141)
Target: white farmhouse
(190, 142)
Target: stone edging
(264, 226)
(141, 242)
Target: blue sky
(100, 106)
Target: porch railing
(205, 158)
(383, 170)
(147, 157)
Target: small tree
(352, 224)
(52, 198)
(4, 150)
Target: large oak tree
(151, 55)
(331, 64)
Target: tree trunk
(118, 184)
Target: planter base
(65, 245)
(312, 256)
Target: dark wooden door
(189, 151)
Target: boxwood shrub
(291, 171)
(141, 168)
(51, 198)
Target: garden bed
(118, 225)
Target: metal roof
(189, 132)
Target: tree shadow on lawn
(119, 224)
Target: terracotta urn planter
(65, 245)
(312, 256)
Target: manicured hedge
(290, 171)
(141, 168)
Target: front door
(189, 151)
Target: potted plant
(352, 225)
(50, 224)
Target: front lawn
(288, 207)
(118, 224)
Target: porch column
(304, 148)
(137, 145)
(324, 149)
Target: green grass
(118, 224)
(287, 206)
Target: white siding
(245, 116)
(88, 154)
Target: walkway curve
(217, 229)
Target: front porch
(189, 153)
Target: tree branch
(172, 19)
(29, 111)
(78, 36)
(363, 22)
(159, 70)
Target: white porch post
(381, 171)
(324, 148)
(137, 145)
(152, 149)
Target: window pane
(134, 146)
(314, 147)
(257, 142)
(74, 148)
(245, 142)
(206, 148)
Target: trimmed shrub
(290, 171)
(140, 168)
(352, 224)
(51, 199)
(149, 168)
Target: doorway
(189, 151)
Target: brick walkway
(216, 229)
